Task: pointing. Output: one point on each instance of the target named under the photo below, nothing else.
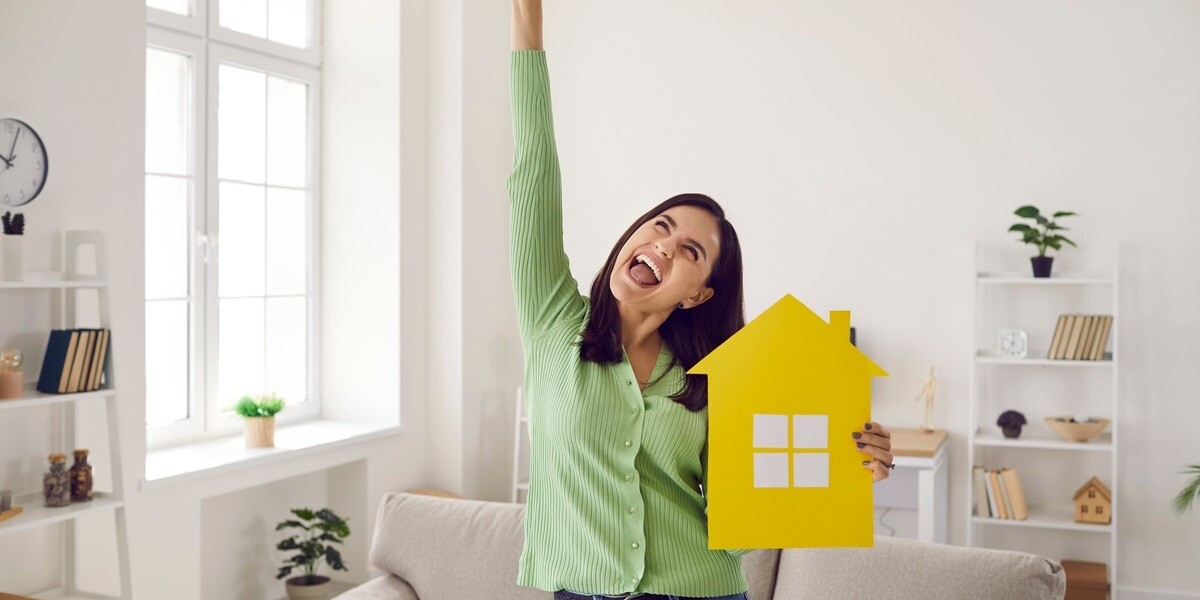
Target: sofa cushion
(452, 549)
(759, 567)
(900, 569)
(388, 587)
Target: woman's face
(667, 261)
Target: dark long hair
(690, 334)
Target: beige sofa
(435, 548)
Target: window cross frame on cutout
(790, 451)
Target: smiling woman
(617, 494)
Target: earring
(680, 305)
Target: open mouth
(643, 271)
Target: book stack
(74, 361)
(1080, 337)
(999, 495)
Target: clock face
(1014, 343)
(22, 163)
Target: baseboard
(1133, 593)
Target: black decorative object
(1010, 423)
(13, 225)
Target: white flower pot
(319, 591)
(12, 257)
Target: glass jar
(56, 485)
(81, 477)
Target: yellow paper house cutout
(784, 395)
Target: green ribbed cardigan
(615, 501)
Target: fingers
(879, 471)
(870, 439)
(878, 454)
(878, 429)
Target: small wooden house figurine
(1093, 503)
(784, 395)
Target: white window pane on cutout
(810, 431)
(287, 348)
(810, 470)
(771, 431)
(286, 249)
(179, 7)
(240, 350)
(245, 16)
(168, 111)
(166, 237)
(166, 361)
(287, 132)
(288, 22)
(241, 247)
(770, 470)
(241, 124)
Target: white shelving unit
(1051, 468)
(34, 514)
(520, 443)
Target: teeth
(653, 267)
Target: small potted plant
(12, 254)
(319, 530)
(1190, 494)
(259, 422)
(1046, 237)
(1010, 423)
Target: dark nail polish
(860, 444)
(856, 435)
(867, 426)
(866, 462)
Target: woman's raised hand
(526, 24)
(876, 442)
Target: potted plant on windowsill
(319, 530)
(259, 422)
(1047, 237)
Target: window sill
(204, 459)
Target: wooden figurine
(926, 395)
(1093, 503)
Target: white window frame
(186, 35)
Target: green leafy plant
(1190, 494)
(1046, 237)
(318, 532)
(260, 406)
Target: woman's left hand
(875, 441)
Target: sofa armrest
(388, 587)
(900, 569)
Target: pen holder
(12, 385)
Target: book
(993, 510)
(54, 360)
(1086, 324)
(1004, 497)
(1102, 342)
(89, 354)
(1068, 326)
(992, 474)
(981, 502)
(1058, 336)
(1016, 493)
(1076, 333)
(77, 362)
(68, 363)
(101, 356)
(1085, 348)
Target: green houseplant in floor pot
(318, 532)
(1046, 237)
(259, 419)
(1190, 494)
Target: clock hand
(11, 156)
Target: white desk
(919, 481)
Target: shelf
(35, 398)
(53, 285)
(989, 357)
(36, 515)
(1026, 279)
(1037, 441)
(1043, 518)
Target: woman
(616, 504)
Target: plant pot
(12, 257)
(298, 590)
(1041, 265)
(260, 432)
(1012, 431)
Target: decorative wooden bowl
(1077, 432)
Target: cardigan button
(635, 545)
(632, 509)
(628, 443)
(629, 478)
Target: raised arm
(526, 24)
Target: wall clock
(23, 164)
